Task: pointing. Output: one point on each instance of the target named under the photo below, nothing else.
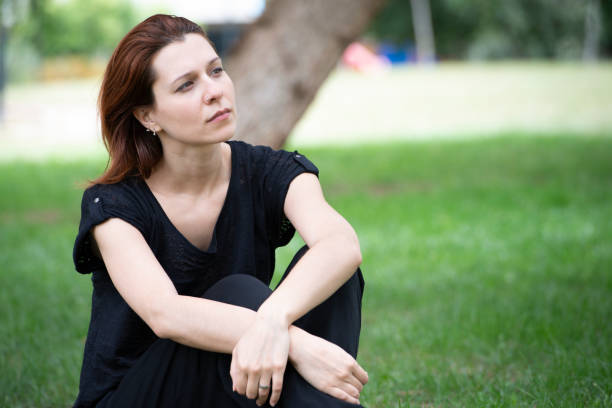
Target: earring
(151, 131)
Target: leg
(337, 319)
(170, 374)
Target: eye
(217, 71)
(184, 86)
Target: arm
(144, 285)
(332, 258)
(196, 322)
(148, 290)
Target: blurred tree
(423, 31)
(393, 23)
(606, 34)
(10, 12)
(284, 57)
(3, 34)
(84, 27)
(592, 30)
(37, 22)
(69, 27)
(482, 29)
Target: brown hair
(127, 84)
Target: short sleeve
(280, 168)
(99, 203)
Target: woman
(179, 234)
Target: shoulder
(128, 200)
(248, 153)
(262, 160)
(126, 187)
(125, 200)
(128, 193)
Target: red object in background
(360, 58)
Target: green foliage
(83, 27)
(483, 29)
(606, 11)
(486, 266)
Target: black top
(251, 225)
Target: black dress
(125, 364)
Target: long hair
(127, 84)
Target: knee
(358, 281)
(240, 290)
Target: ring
(264, 387)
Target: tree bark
(423, 31)
(3, 41)
(592, 30)
(4, 32)
(284, 57)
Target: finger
(232, 374)
(239, 379)
(240, 384)
(277, 385)
(264, 389)
(360, 373)
(350, 390)
(354, 382)
(252, 387)
(342, 395)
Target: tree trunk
(423, 31)
(283, 58)
(37, 14)
(592, 30)
(4, 32)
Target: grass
(487, 266)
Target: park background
(476, 169)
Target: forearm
(210, 325)
(319, 273)
(202, 323)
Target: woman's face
(190, 88)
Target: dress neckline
(213, 246)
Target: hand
(259, 360)
(327, 366)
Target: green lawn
(488, 268)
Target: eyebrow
(191, 72)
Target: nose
(213, 92)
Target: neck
(191, 170)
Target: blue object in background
(397, 54)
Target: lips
(218, 113)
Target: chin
(220, 137)
(227, 134)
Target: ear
(143, 115)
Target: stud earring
(151, 131)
